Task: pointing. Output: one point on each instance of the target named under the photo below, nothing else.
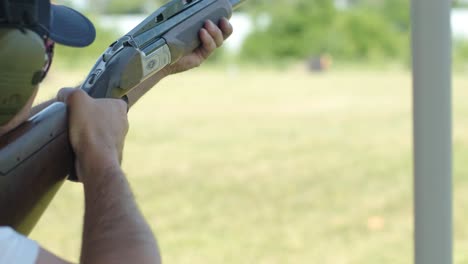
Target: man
(114, 229)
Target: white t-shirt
(16, 248)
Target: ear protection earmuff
(22, 60)
(28, 31)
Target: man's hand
(99, 126)
(97, 129)
(114, 229)
(211, 37)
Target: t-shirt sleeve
(16, 248)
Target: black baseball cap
(62, 24)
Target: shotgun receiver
(36, 157)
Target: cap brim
(69, 27)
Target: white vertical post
(431, 40)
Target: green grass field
(263, 166)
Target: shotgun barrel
(36, 157)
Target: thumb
(63, 94)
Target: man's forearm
(145, 86)
(114, 229)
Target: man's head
(28, 31)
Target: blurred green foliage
(128, 7)
(117, 6)
(358, 31)
(460, 55)
(289, 34)
(364, 30)
(71, 57)
(124, 6)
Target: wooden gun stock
(35, 160)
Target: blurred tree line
(117, 6)
(352, 30)
(347, 30)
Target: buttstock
(35, 159)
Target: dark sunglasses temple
(49, 46)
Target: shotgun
(36, 158)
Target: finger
(215, 33)
(127, 103)
(119, 108)
(122, 106)
(119, 105)
(226, 27)
(208, 43)
(64, 93)
(76, 97)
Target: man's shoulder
(6, 231)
